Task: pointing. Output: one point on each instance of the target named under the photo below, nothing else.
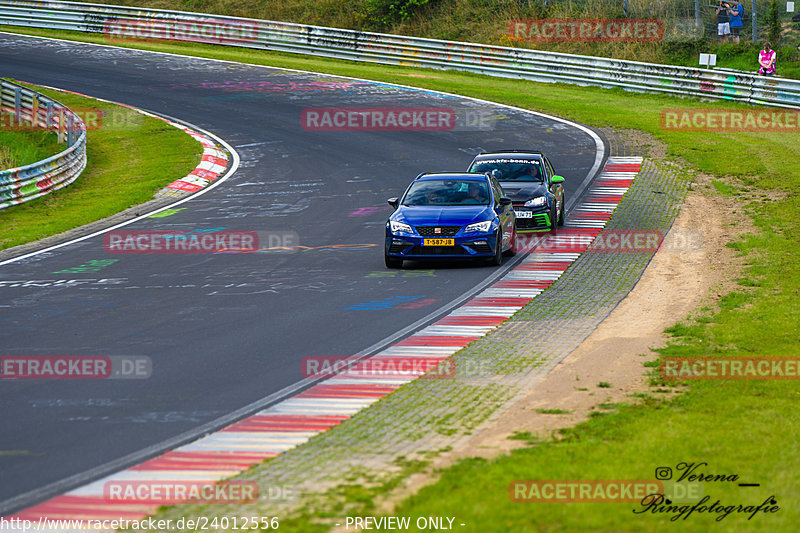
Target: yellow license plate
(439, 242)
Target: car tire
(512, 251)
(392, 262)
(497, 260)
(561, 216)
(554, 220)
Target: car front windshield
(447, 192)
(510, 169)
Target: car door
(556, 188)
(504, 212)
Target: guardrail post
(698, 22)
(18, 105)
(35, 111)
(48, 121)
(70, 128)
(60, 132)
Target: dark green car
(528, 179)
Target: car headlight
(399, 227)
(479, 226)
(536, 202)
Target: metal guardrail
(22, 108)
(121, 23)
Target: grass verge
(20, 148)
(128, 161)
(742, 428)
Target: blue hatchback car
(456, 215)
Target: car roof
(475, 176)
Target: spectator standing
(766, 58)
(736, 12)
(723, 21)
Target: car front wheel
(497, 260)
(512, 250)
(392, 262)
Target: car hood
(444, 215)
(521, 191)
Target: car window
(498, 192)
(509, 169)
(550, 170)
(497, 187)
(447, 192)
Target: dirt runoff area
(675, 283)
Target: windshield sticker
(494, 161)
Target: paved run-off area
(402, 431)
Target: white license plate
(524, 214)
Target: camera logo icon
(663, 473)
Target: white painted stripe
(551, 257)
(512, 293)
(599, 224)
(194, 180)
(457, 331)
(617, 174)
(588, 206)
(619, 159)
(295, 408)
(419, 350)
(96, 488)
(216, 153)
(276, 447)
(615, 159)
(255, 438)
(314, 403)
(315, 406)
(570, 239)
(211, 167)
(609, 191)
(485, 310)
(383, 358)
(600, 208)
(534, 275)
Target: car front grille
(444, 231)
(396, 248)
(540, 220)
(482, 248)
(438, 250)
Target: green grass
(20, 148)
(130, 157)
(746, 428)
(723, 188)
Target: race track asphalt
(225, 330)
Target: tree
(774, 24)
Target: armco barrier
(23, 108)
(120, 23)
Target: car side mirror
(556, 179)
(505, 201)
(394, 202)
